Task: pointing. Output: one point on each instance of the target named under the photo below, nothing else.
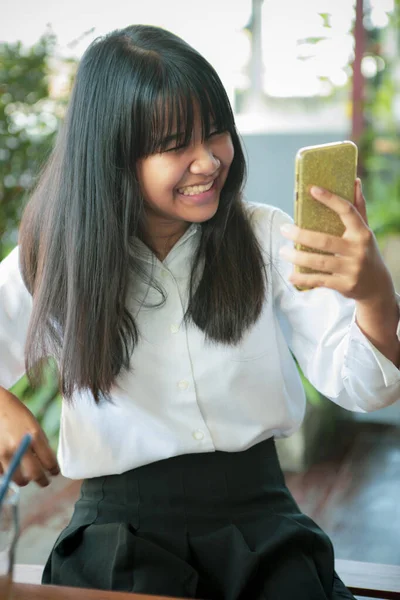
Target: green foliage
(326, 18)
(380, 147)
(382, 183)
(29, 119)
(313, 396)
(28, 122)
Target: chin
(201, 214)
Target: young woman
(168, 304)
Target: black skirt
(217, 526)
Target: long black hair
(77, 229)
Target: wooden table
(364, 579)
(27, 586)
(26, 591)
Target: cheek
(231, 153)
(158, 175)
(226, 154)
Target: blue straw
(16, 459)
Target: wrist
(381, 309)
(378, 319)
(382, 299)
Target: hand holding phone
(339, 251)
(332, 167)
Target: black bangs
(177, 96)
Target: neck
(162, 234)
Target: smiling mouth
(194, 190)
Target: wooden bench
(363, 579)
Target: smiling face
(181, 183)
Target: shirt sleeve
(321, 331)
(15, 311)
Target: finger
(33, 470)
(45, 454)
(20, 478)
(359, 201)
(315, 261)
(347, 212)
(318, 280)
(317, 240)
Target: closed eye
(183, 146)
(175, 148)
(216, 132)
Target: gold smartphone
(330, 166)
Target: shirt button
(164, 274)
(183, 384)
(174, 328)
(198, 434)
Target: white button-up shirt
(184, 394)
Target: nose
(205, 162)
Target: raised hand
(355, 267)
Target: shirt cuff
(357, 354)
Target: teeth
(192, 190)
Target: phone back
(333, 167)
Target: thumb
(359, 200)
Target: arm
(15, 311)
(321, 330)
(378, 320)
(15, 418)
(355, 269)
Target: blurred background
(297, 74)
